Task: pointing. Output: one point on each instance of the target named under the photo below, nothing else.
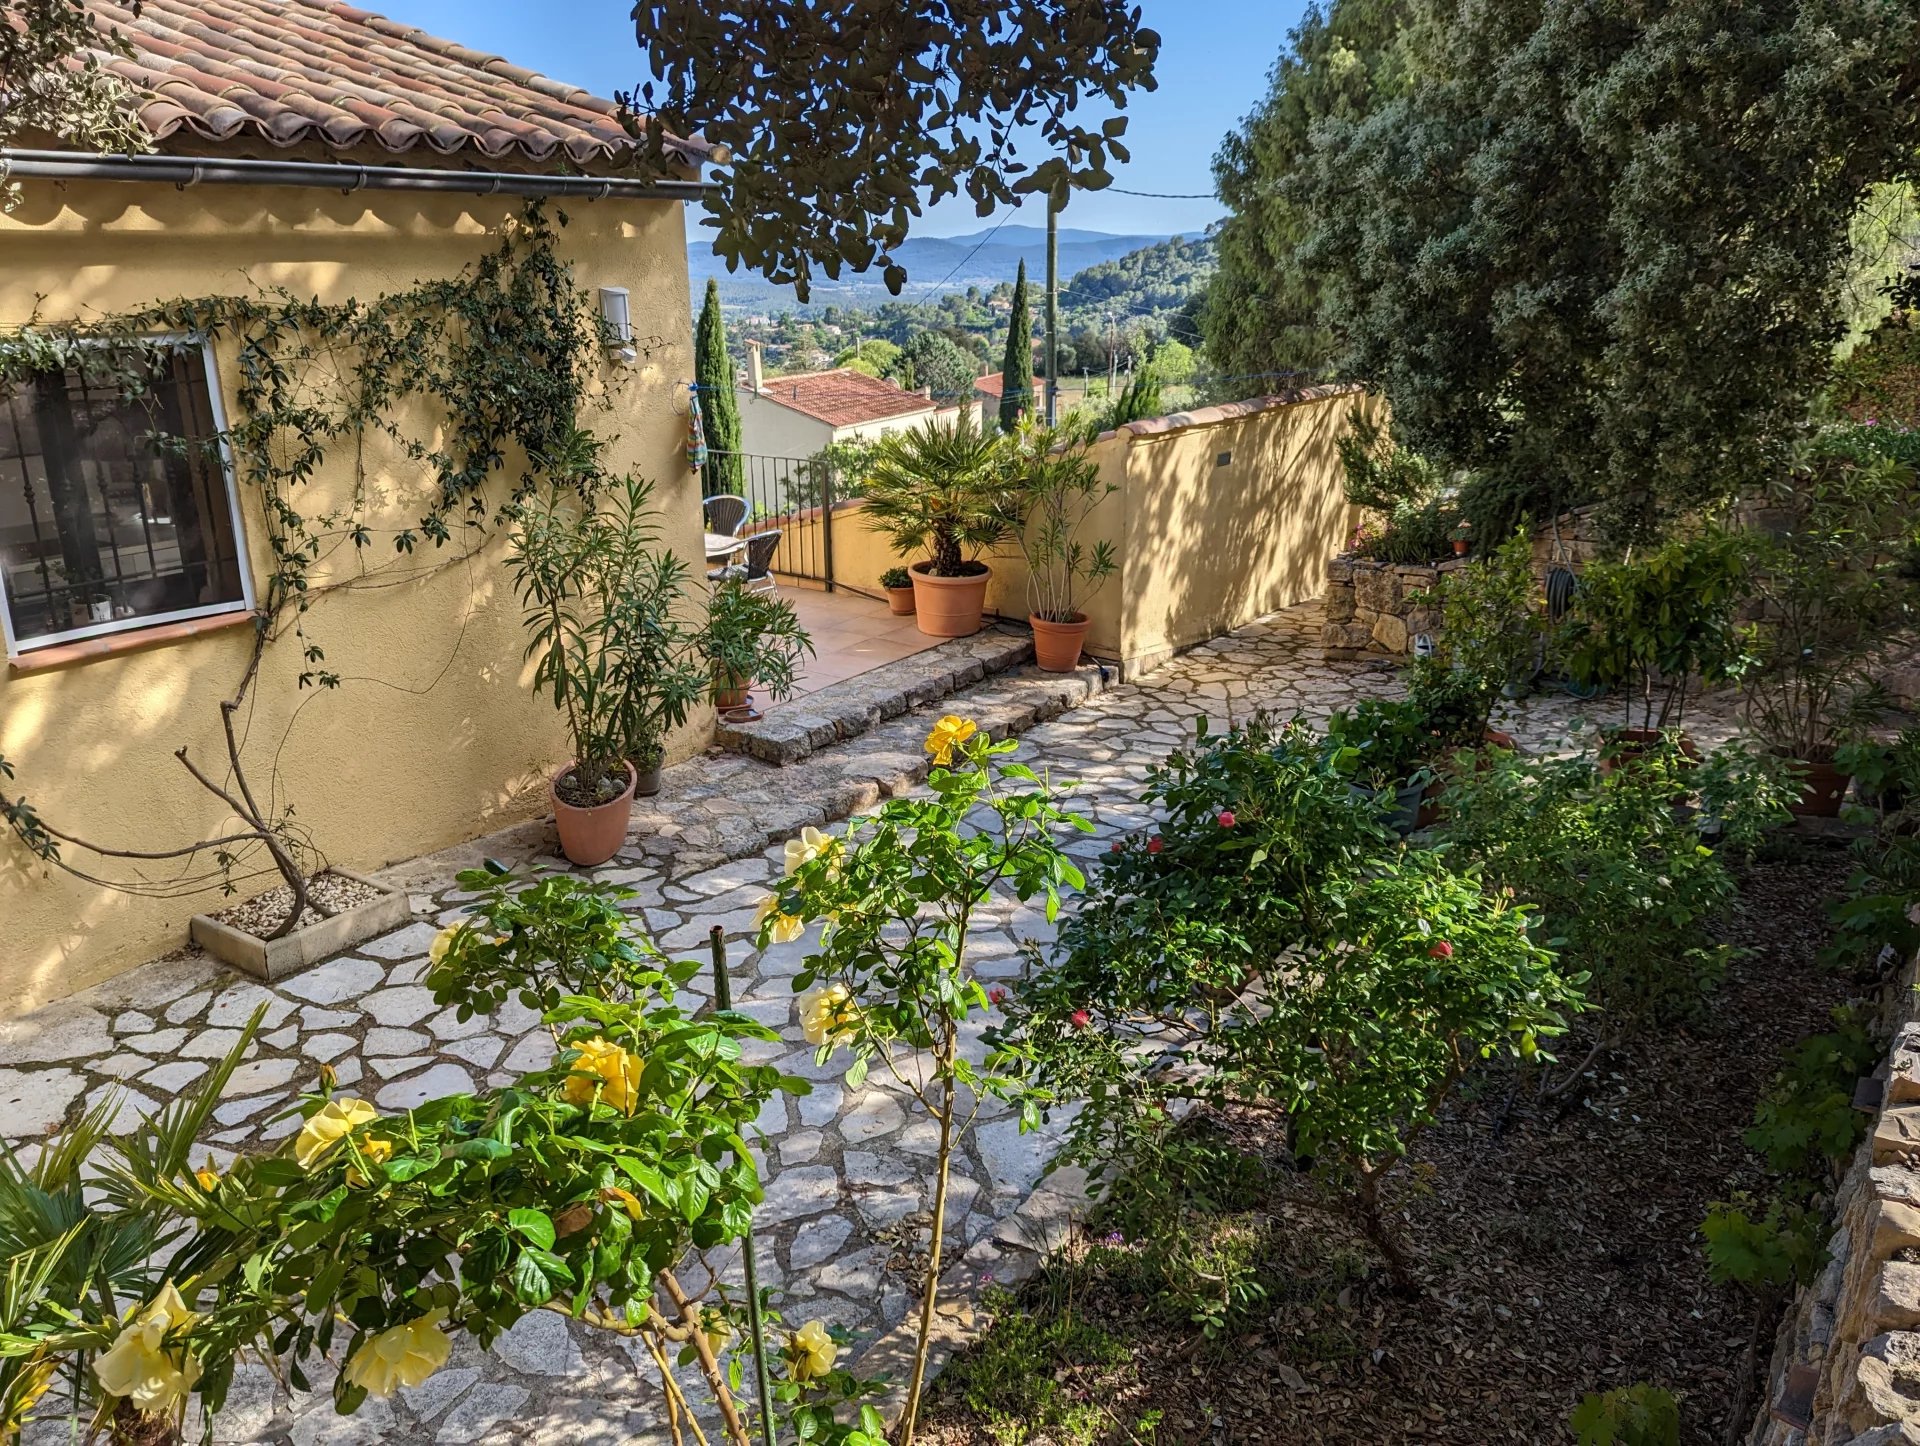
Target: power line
(1164, 195)
(976, 250)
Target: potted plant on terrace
(1835, 588)
(750, 637)
(602, 628)
(1056, 488)
(940, 488)
(899, 589)
(1650, 626)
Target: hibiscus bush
(889, 980)
(374, 1239)
(1271, 948)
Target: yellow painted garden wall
(1217, 517)
(433, 736)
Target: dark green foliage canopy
(719, 407)
(935, 360)
(1262, 310)
(1596, 250)
(1016, 372)
(838, 115)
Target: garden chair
(725, 513)
(757, 575)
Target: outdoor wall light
(618, 322)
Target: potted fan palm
(1055, 489)
(940, 488)
(750, 637)
(602, 617)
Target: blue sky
(1213, 68)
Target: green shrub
(1636, 1415)
(1806, 1119)
(1626, 891)
(1767, 1255)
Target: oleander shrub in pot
(1834, 579)
(749, 638)
(605, 614)
(1055, 488)
(939, 489)
(1649, 627)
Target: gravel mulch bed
(262, 914)
(1560, 1250)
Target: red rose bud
(1116, 846)
(1227, 819)
(1155, 844)
(1081, 1019)
(998, 996)
(1442, 950)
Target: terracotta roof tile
(290, 72)
(844, 397)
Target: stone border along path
(846, 1188)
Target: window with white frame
(117, 509)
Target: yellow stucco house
(301, 149)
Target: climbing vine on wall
(474, 377)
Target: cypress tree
(1016, 372)
(719, 407)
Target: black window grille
(116, 510)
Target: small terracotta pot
(1460, 545)
(729, 691)
(949, 607)
(900, 601)
(1823, 790)
(591, 836)
(1056, 646)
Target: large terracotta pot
(1823, 790)
(591, 836)
(900, 601)
(729, 691)
(949, 607)
(1056, 646)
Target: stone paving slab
(841, 711)
(847, 1194)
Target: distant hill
(935, 265)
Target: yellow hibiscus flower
(810, 1352)
(443, 942)
(948, 734)
(402, 1355)
(374, 1152)
(139, 1368)
(208, 1175)
(780, 928)
(605, 1066)
(828, 1015)
(813, 843)
(331, 1124)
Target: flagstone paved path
(846, 1194)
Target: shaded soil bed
(1560, 1255)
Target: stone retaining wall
(1376, 609)
(1846, 1362)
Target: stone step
(800, 728)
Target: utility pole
(1053, 308)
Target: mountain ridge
(935, 264)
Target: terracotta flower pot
(1823, 789)
(1460, 546)
(949, 607)
(1056, 646)
(592, 835)
(900, 601)
(729, 691)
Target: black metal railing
(794, 495)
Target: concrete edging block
(273, 959)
